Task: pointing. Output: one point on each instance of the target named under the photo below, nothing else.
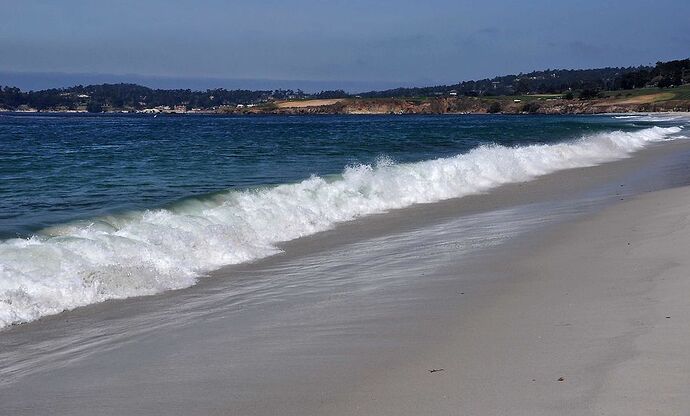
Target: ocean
(99, 207)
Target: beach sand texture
(596, 321)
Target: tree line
(97, 98)
(587, 82)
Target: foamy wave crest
(155, 250)
(654, 118)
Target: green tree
(94, 107)
(588, 94)
(522, 86)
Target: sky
(351, 44)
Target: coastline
(397, 106)
(475, 106)
(360, 347)
(150, 251)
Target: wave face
(150, 251)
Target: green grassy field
(677, 93)
(682, 92)
(665, 94)
(624, 97)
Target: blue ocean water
(112, 206)
(58, 168)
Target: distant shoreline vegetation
(583, 84)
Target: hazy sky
(421, 42)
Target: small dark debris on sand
(561, 379)
(436, 370)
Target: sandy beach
(594, 321)
(576, 304)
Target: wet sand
(353, 320)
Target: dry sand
(595, 321)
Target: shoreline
(172, 247)
(397, 109)
(308, 112)
(213, 349)
(526, 168)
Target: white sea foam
(155, 250)
(654, 118)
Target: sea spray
(151, 251)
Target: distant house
(516, 100)
(453, 93)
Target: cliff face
(473, 105)
(604, 106)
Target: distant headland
(664, 87)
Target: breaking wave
(150, 251)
